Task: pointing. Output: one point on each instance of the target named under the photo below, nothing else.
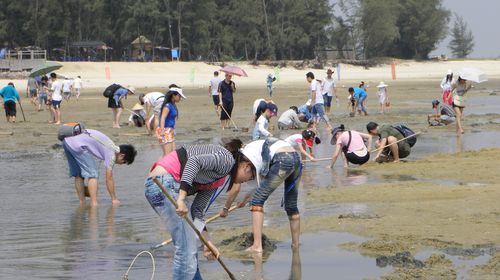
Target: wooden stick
(191, 224)
(235, 126)
(6, 133)
(166, 242)
(381, 148)
(22, 111)
(317, 159)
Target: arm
(295, 120)
(262, 129)
(338, 150)
(209, 90)
(443, 81)
(368, 137)
(231, 196)
(381, 144)
(164, 113)
(110, 185)
(304, 152)
(233, 85)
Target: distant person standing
(446, 87)
(169, 114)
(383, 98)
(329, 90)
(32, 89)
(317, 102)
(269, 82)
(56, 97)
(43, 95)
(116, 105)
(67, 85)
(459, 88)
(10, 95)
(214, 92)
(77, 85)
(226, 90)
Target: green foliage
(462, 43)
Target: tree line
(232, 29)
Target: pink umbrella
(234, 70)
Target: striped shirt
(205, 165)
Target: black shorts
(355, 159)
(10, 108)
(456, 106)
(112, 103)
(226, 112)
(215, 99)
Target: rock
(245, 240)
(361, 216)
(403, 259)
(206, 128)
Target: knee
(293, 214)
(391, 139)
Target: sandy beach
(445, 197)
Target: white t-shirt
(294, 140)
(214, 85)
(77, 83)
(316, 87)
(155, 99)
(328, 86)
(56, 89)
(66, 85)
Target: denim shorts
(327, 100)
(81, 165)
(284, 167)
(56, 104)
(318, 112)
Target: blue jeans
(361, 106)
(327, 100)
(318, 112)
(183, 236)
(284, 167)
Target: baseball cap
(435, 103)
(308, 137)
(273, 108)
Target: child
(137, 116)
(260, 131)
(300, 141)
(352, 103)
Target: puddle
(482, 105)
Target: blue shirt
(227, 91)
(171, 117)
(119, 93)
(304, 109)
(9, 93)
(359, 92)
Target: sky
(483, 18)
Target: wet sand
(440, 201)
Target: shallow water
(45, 235)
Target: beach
(443, 199)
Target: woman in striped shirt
(194, 170)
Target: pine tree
(462, 43)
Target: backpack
(110, 90)
(69, 129)
(407, 132)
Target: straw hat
(137, 107)
(382, 85)
(329, 71)
(131, 89)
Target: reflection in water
(460, 143)
(296, 269)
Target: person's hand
(346, 165)
(208, 254)
(181, 208)
(241, 204)
(115, 202)
(312, 159)
(223, 212)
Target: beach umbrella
(47, 67)
(473, 74)
(234, 70)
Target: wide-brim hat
(137, 107)
(329, 71)
(333, 141)
(382, 85)
(449, 72)
(131, 89)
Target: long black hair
(234, 147)
(168, 99)
(449, 77)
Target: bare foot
(253, 250)
(57, 123)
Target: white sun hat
(449, 72)
(381, 85)
(178, 90)
(253, 151)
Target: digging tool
(198, 233)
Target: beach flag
(277, 73)
(107, 73)
(338, 72)
(393, 71)
(191, 75)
